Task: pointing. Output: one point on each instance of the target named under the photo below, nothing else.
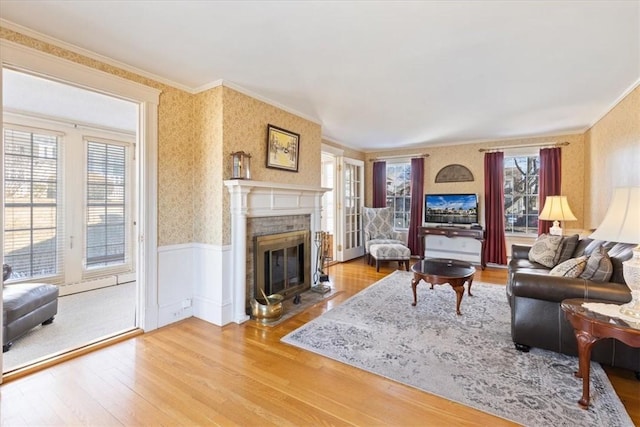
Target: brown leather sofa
(537, 319)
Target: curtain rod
(549, 144)
(401, 156)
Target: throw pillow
(599, 267)
(570, 268)
(545, 249)
(567, 248)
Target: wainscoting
(194, 280)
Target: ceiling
(377, 75)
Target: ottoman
(390, 252)
(26, 305)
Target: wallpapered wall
(208, 166)
(245, 121)
(175, 143)
(613, 156)
(469, 156)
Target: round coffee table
(438, 271)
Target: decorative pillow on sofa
(545, 249)
(599, 267)
(568, 246)
(570, 268)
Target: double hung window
(521, 194)
(399, 193)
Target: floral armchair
(378, 229)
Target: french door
(350, 188)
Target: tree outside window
(521, 185)
(399, 193)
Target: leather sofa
(25, 306)
(537, 319)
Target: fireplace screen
(282, 264)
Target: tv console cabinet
(454, 232)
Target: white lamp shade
(556, 208)
(622, 221)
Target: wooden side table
(590, 327)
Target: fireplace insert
(282, 263)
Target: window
(32, 236)
(68, 201)
(399, 193)
(521, 194)
(106, 177)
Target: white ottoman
(390, 252)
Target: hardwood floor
(196, 373)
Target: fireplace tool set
(320, 278)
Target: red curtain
(379, 184)
(495, 245)
(415, 242)
(550, 181)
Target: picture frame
(283, 149)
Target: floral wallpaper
(613, 156)
(245, 121)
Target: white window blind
(106, 236)
(33, 238)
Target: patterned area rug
(468, 359)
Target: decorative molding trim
(23, 58)
(331, 150)
(90, 54)
(271, 102)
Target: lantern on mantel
(241, 168)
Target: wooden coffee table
(590, 327)
(437, 271)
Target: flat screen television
(451, 208)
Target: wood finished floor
(195, 373)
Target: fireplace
(282, 263)
(268, 202)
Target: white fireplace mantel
(259, 199)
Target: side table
(589, 327)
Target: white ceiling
(376, 75)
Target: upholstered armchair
(378, 229)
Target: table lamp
(556, 208)
(622, 224)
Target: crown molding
(90, 54)
(424, 146)
(110, 61)
(613, 105)
(266, 100)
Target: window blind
(33, 212)
(106, 236)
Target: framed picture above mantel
(283, 149)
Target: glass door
(351, 242)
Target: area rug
(468, 359)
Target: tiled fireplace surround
(259, 208)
